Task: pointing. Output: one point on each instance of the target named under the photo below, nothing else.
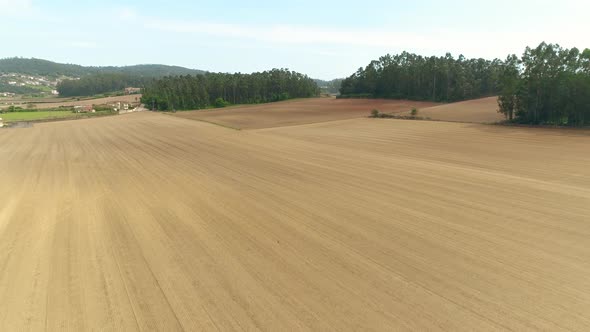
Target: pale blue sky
(324, 39)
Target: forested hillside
(42, 68)
(86, 81)
(219, 89)
(411, 76)
(547, 85)
(53, 69)
(16, 89)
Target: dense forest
(100, 83)
(411, 76)
(219, 89)
(547, 85)
(52, 69)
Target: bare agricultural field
(154, 222)
(301, 111)
(81, 102)
(23, 100)
(484, 110)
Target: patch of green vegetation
(220, 103)
(39, 115)
(413, 115)
(51, 115)
(201, 91)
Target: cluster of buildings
(118, 106)
(132, 91)
(29, 80)
(22, 80)
(84, 109)
(121, 107)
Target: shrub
(414, 112)
(375, 113)
(356, 96)
(220, 102)
(281, 96)
(14, 109)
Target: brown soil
(153, 222)
(483, 110)
(82, 102)
(297, 112)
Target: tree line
(219, 89)
(415, 77)
(99, 83)
(547, 85)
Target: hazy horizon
(321, 40)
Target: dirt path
(151, 222)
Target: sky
(324, 39)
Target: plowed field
(297, 112)
(153, 222)
(484, 110)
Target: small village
(45, 85)
(16, 109)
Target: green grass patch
(39, 115)
(50, 115)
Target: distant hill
(51, 69)
(39, 77)
(76, 80)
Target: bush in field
(374, 113)
(414, 112)
(14, 109)
(102, 108)
(220, 102)
(280, 97)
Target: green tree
(509, 81)
(216, 89)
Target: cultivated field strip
(69, 102)
(299, 111)
(483, 110)
(148, 221)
